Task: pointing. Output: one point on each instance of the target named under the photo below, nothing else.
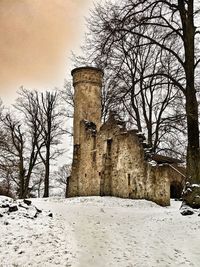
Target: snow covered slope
(100, 232)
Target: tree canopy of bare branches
(150, 49)
(30, 137)
(49, 117)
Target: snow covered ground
(100, 232)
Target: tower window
(129, 179)
(109, 146)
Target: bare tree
(67, 94)
(52, 132)
(62, 175)
(169, 27)
(18, 153)
(32, 141)
(49, 117)
(134, 86)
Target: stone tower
(87, 83)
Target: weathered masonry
(109, 160)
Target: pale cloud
(36, 37)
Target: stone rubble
(24, 208)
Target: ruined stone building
(109, 160)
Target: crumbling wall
(84, 179)
(111, 162)
(121, 165)
(108, 160)
(73, 180)
(89, 182)
(158, 184)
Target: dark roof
(164, 159)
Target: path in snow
(124, 233)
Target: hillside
(98, 232)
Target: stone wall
(158, 184)
(121, 161)
(84, 180)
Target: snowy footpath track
(101, 232)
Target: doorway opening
(175, 190)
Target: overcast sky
(36, 39)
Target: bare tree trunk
(21, 179)
(193, 155)
(47, 172)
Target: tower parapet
(87, 75)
